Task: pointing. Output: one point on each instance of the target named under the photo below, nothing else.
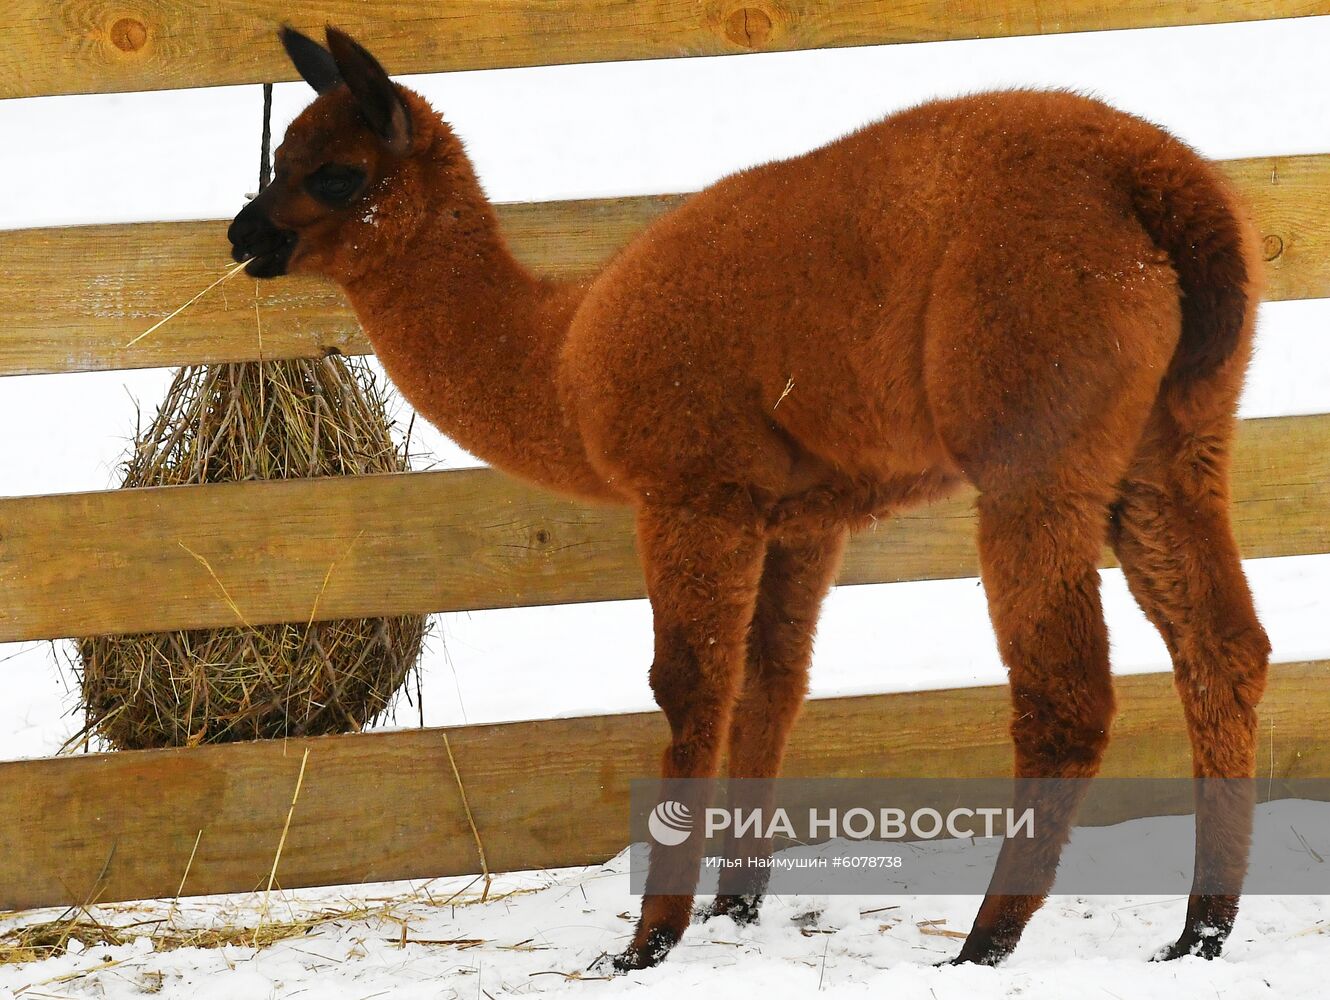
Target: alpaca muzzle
(256, 239)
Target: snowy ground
(543, 932)
(1232, 91)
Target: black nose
(244, 228)
(252, 233)
(254, 238)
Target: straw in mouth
(165, 319)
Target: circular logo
(670, 823)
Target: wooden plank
(113, 282)
(129, 560)
(90, 46)
(1288, 196)
(385, 806)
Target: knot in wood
(129, 34)
(749, 27)
(1273, 246)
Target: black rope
(265, 153)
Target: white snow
(586, 131)
(543, 932)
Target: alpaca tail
(1187, 209)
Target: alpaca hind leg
(1039, 550)
(1171, 532)
(702, 572)
(795, 578)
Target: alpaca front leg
(702, 573)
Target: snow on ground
(543, 932)
(585, 131)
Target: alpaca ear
(312, 61)
(375, 94)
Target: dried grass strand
(286, 828)
(470, 819)
(172, 315)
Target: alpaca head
(357, 133)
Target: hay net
(235, 422)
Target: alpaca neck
(467, 334)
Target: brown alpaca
(1029, 292)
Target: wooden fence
(382, 806)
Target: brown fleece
(1028, 292)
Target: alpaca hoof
(990, 960)
(981, 948)
(659, 942)
(1199, 945)
(744, 909)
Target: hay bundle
(259, 420)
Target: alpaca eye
(333, 183)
